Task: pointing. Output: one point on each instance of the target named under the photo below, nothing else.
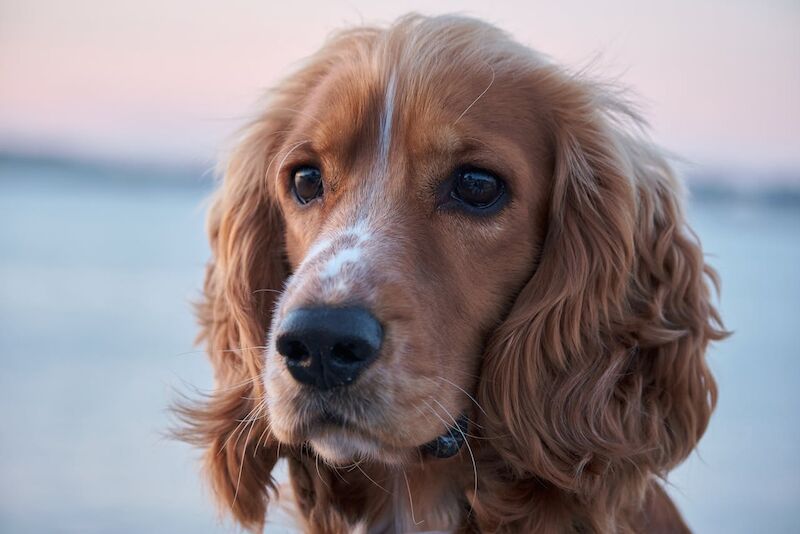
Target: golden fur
(570, 327)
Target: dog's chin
(341, 447)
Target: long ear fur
(246, 270)
(597, 376)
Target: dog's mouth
(446, 445)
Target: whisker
(337, 472)
(358, 466)
(445, 423)
(252, 398)
(242, 385)
(288, 153)
(267, 290)
(319, 475)
(472, 456)
(241, 465)
(271, 161)
(479, 96)
(465, 374)
(249, 418)
(421, 462)
(422, 412)
(255, 416)
(267, 428)
(464, 392)
(411, 500)
(229, 438)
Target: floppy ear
(597, 376)
(243, 277)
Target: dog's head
(433, 231)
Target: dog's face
(407, 201)
(431, 226)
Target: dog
(453, 285)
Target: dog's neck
(425, 498)
(428, 496)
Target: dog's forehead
(388, 133)
(394, 107)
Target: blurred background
(112, 115)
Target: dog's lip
(449, 443)
(329, 424)
(330, 418)
(446, 445)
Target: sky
(170, 81)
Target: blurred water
(95, 329)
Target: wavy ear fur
(246, 272)
(246, 269)
(598, 376)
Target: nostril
(347, 352)
(294, 350)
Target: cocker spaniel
(453, 285)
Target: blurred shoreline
(777, 188)
(58, 169)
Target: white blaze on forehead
(322, 244)
(385, 139)
(317, 248)
(360, 230)
(338, 243)
(349, 254)
(339, 260)
(332, 251)
(327, 257)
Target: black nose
(329, 347)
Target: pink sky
(170, 81)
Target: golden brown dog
(452, 283)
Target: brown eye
(307, 183)
(476, 188)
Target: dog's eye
(476, 188)
(307, 183)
